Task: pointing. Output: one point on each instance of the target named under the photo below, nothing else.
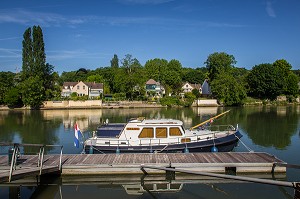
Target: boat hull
(223, 144)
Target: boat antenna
(212, 118)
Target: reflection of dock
(91, 164)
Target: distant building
(154, 87)
(206, 91)
(188, 87)
(90, 89)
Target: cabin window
(147, 133)
(161, 132)
(175, 131)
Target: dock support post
(143, 170)
(170, 175)
(297, 190)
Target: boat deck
(86, 164)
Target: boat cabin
(137, 129)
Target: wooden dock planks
(130, 163)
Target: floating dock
(97, 164)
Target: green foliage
(189, 99)
(218, 63)
(194, 76)
(119, 96)
(155, 68)
(267, 81)
(170, 101)
(196, 93)
(228, 90)
(27, 54)
(292, 87)
(34, 65)
(114, 62)
(173, 81)
(95, 78)
(32, 92)
(13, 98)
(6, 83)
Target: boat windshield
(110, 130)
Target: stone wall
(206, 102)
(72, 104)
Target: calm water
(274, 130)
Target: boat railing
(215, 128)
(203, 135)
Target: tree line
(126, 77)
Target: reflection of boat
(139, 189)
(160, 135)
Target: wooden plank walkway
(84, 164)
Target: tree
(228, 90)
(194, 76)
(13, 98)
(265, 81)
(39, 57)
(27, 55)
(189, 98)
(129, 76)
(95, 78)
(155, 69)
(6, 83)
(292, 84)
(33, 92)
(217, 63)
(114, 63)
(196, 93)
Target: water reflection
(138, 186)
(265, 126)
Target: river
(275, 130)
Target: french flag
(77, 135)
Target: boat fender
(214, 149)
(186, 150)
(91, 151)
(118, 151)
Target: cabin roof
(157, 122)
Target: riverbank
(99, 104)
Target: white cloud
(9, 38)
(12, 53)
(26, 17)
(270, 9)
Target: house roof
(91, 85)
(151, 81)
(94, 85)
(68, 84)
(196, 86)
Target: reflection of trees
(30, 126)
(266, 126)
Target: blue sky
(88, 33)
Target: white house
(90, 89)
(156, 87)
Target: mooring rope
(163, 148)
(248, 148)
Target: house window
(175, 131)
(83, 87)
(161, 132)
(78, 87)
(146, 133)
